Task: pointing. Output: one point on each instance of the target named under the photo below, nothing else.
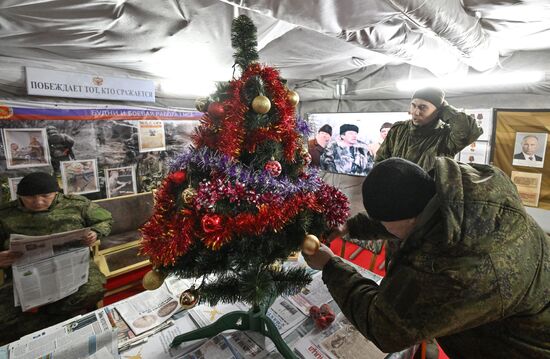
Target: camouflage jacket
(474, 273)
(67, 212)
(445, 136)
(355, 160)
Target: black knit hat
(433, 95)
(396, 189)
(37, 183)
(347, 127)
(326, 128)
(386, 125)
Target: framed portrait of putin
(520, 147)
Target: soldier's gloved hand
(336, 232)
(320, 258)
(90, 238)
(7, 258)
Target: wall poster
(521, 144)
(100, 140)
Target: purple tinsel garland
(260, 180)
(302, 127)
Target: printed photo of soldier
(25, 147)
(61, 147)
(79, 177)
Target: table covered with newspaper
(143, 327)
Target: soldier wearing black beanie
(396, 189)
(433, 95)
(37, 183)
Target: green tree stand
(255, 319)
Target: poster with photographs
(529, 149)
(25, 147)
(476, 152)
(347, 142)
(79, 176)
(528, 185)
(13, 182)
(151, 136)
(108, 135)
(120, 181)
(484, 119)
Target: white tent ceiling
(185, 46)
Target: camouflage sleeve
(363, 228)
(384, 152)
(463, 129)
(327, 158)
(98, 219)
(412, 305)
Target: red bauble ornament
(216, 110)
(273, 167)
(177, 177)
(211, 223)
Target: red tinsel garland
(231, 126)
(171, 231)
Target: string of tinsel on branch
(208, 160)
(172, 230)
(227, 134)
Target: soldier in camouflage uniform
(346, 155)
(41, 210)
(61, 147)
(435, 129)
(472, 268)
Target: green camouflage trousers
(14, 323)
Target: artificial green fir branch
(243, 40)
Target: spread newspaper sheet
(52, 267)
(75, 338)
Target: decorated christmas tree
(242, 199)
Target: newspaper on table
(316, 293)
(52, 267)
(204, 314)
(177, 285)
(245, 346)
(284, 315)
(348, 342)
(303, 329)
(157, 346)
(214, 348)
(76, 338)
(148, 309)
(103, 353)
(124, 332)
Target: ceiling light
(474, 81)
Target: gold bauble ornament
(261, 104)
(276, 266)
(153, 279)
(201, 104)
(189, 298)
(188, 195)
(293, 97)
(311, 245)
